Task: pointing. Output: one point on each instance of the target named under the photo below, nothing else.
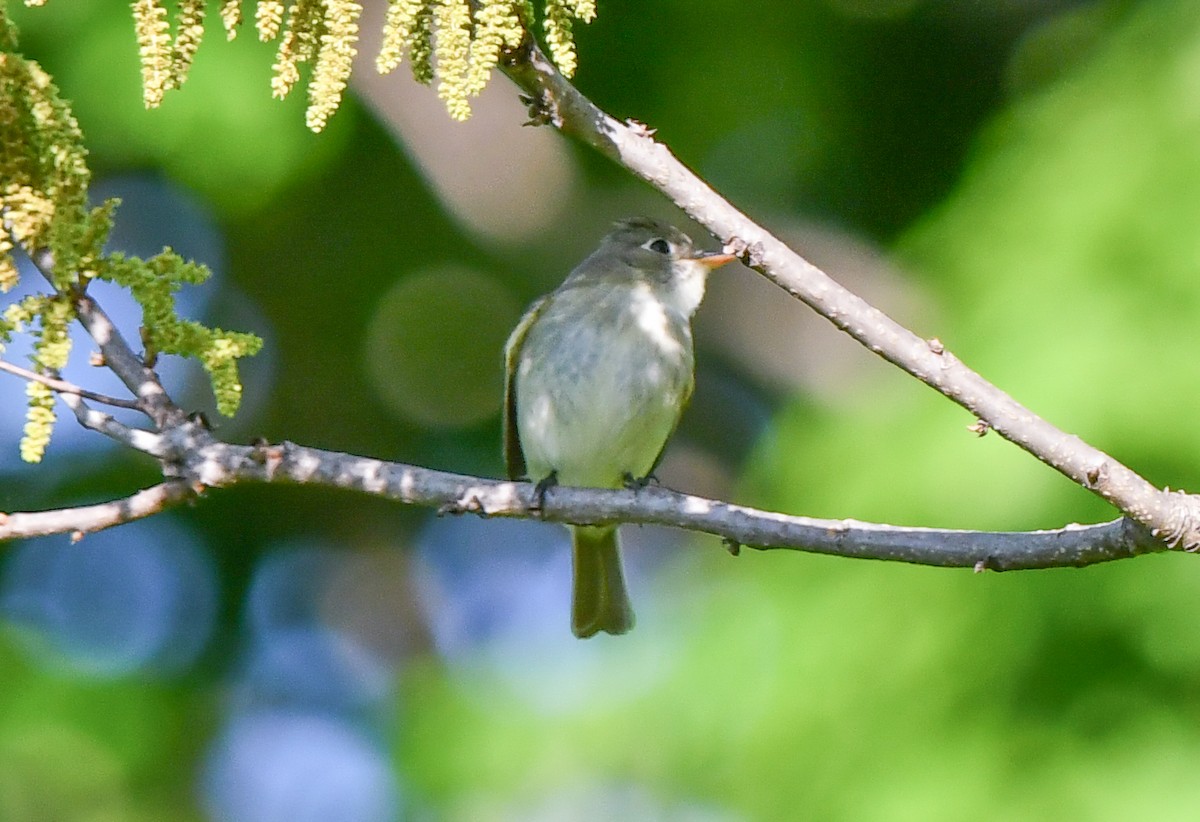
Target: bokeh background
(1018, 178)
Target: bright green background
(1038, 174)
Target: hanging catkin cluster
(456, 42)
(44, 211)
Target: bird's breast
(600, 384)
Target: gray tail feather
(599, 602)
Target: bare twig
(88, 518)
(148, 442)
(64, 387)
(217, 464)
(1174, 517)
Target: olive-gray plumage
(598, 372)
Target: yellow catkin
(43, 198)
(154, 49)
(268, 18)
(52, 348)
(420, 49)
(8, 268)
(584, 10)
(189, 30)
(9, 276)
(497, 27)
(231, 17)
(21, 313)
(39, 422)
(398, 28)
(28, 214)
(298, 45)
(43, 169)
(458, 41)
(285, 72)
(453, 52)
(559, 36)
(335, 58)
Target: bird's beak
(713, 259)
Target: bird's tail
(600, 602)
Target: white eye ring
(659, 245)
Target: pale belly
(597, 404)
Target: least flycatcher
(597, 373)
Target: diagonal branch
(1174, 517)
(148, 442)
(117, 353)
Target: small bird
(597, 374)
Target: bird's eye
(660, 245)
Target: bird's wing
(514, 459)
(683, 404)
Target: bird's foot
(539, 491)
(638, 483)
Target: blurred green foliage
(117, 751)
(1047, 197)
(225, 138)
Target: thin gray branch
(1174, 517)
(64, 387)
(210, 463)
(88, 518)
(148, 442)
(193, 460)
